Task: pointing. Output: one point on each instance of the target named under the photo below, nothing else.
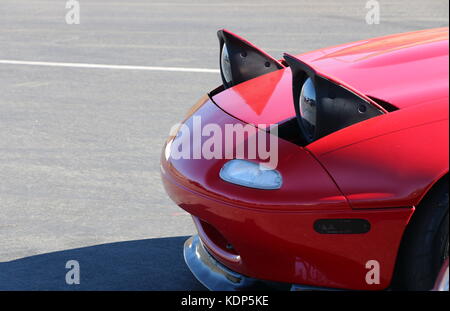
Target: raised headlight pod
(241, 61)
(250, 174)
(324, 106)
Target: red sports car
(325, 170)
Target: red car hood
(403, 69)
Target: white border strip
(104, 66)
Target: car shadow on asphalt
(151, 264)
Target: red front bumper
(277, 241)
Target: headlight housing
(250, 174)
(324, 106)
(241, 61)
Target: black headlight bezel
(246, 60)
(336, 106)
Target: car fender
(391, 160)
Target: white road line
(104, 66)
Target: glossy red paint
(294, 163)
(272, 231)
(283, 246)
(377, 170)
(269, 103)
(391, 160)
(403, 69)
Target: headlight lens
(225, 65)
(250, 174)
(308, 109)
